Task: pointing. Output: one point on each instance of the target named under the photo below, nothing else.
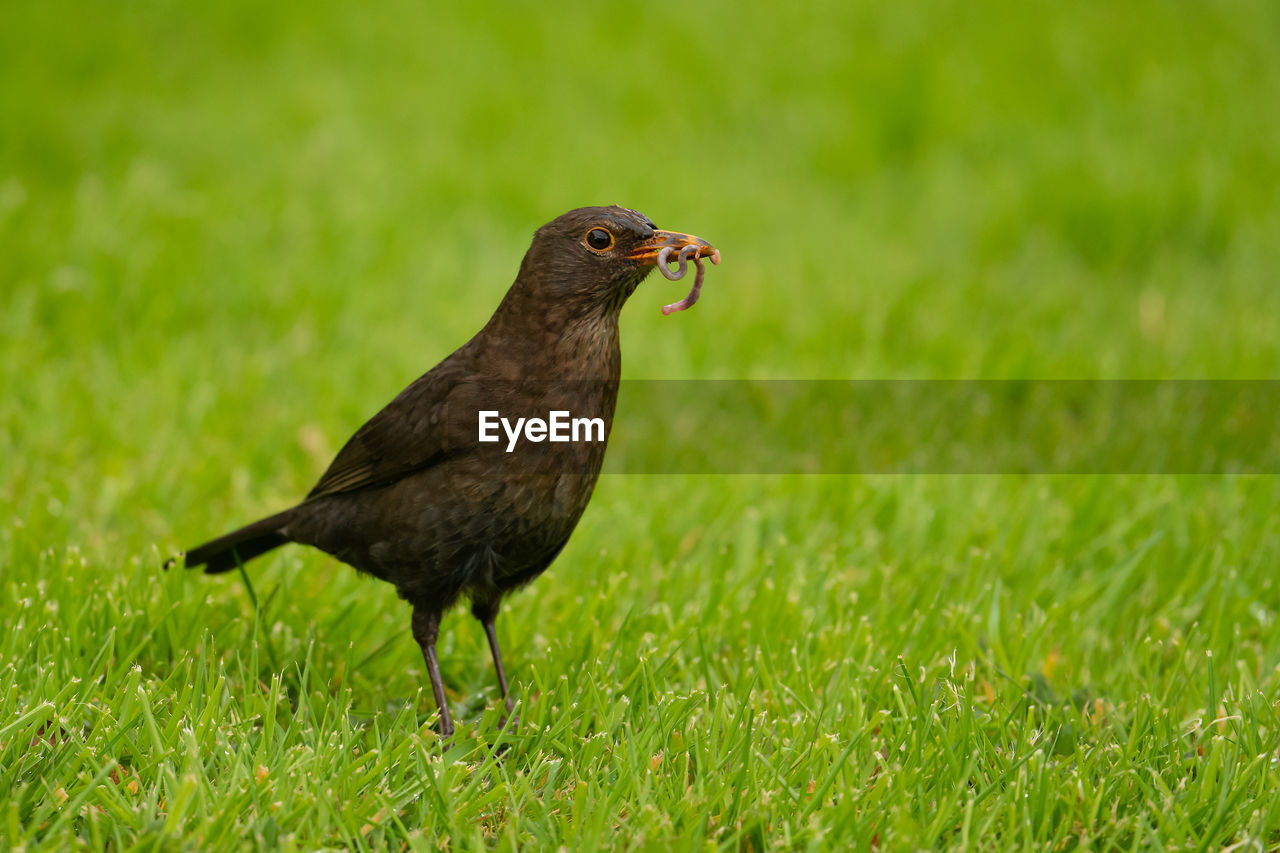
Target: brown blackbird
(417, 499)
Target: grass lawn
(230, 232)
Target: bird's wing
(410, 434)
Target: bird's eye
(599, 239)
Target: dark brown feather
(415, 499)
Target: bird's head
(593, 258)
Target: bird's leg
(487, 613)
(426, 627)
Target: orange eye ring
(599, 239)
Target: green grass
(230, 232)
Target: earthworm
(685, 254)
(665, 255)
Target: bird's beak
(646, 253)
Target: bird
(421, 498)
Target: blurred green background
(230, 232)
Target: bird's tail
(240, 546)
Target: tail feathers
(240, 546)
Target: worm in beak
(690, 251)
